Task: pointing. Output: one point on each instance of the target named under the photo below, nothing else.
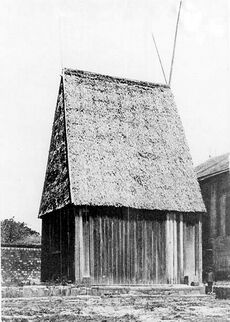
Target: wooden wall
(57, 256)
(110, 245)
(128, 246)
(216, 224)
(124, 246)
(183, 248)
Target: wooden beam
(181, 264)
(223, 215)
(213, 211)
(169, 248)
(91, 247)
(200, 250)
(79, 254)
(174, 225)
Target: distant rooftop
(213, 166)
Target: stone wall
(20, 265)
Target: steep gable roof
(213, 166)
(124, 146)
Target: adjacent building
(121, 203)
(214, 179)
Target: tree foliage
(13, 232)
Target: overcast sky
(39, 37)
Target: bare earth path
(116, 308)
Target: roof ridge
(213, 166)
(109, 77)
(213, 158)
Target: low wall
(20, 265)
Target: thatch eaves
(126, 145)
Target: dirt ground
(117, 308)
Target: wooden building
(214, 179)
(121, 203)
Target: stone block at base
(104, 290)
(222, 292)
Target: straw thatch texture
(56, 187)
(213, 166)
(126, 145)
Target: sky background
(39, 37)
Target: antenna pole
(174, 45)
(60, 41)
(159, 57)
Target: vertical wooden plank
(143, 250)
(154, 253)
(117, 247)
(131, 246)
(91, 248)
(172, 246)
(98, 245)
(105, 243)
(128, 249)
(168, 262)
(115, 250)
(139, 249)
(124, 245)
(104, 248)
(112, 251)
(213, 210)
(85, 227)
(132, 241)
(200, 249)
(184, 247)
(81, 245)
(196, 246)
(174, 249)
(100, 218)
(100, 270)
(181, 249)
(189, 251)
(135, 247)
(223, 215)
(163, 243)
(194, 252)
(68, 257)
(149, 251)
(120, 251)
(95, 238)
(109, 249)
(79, 258)
(161, 257)
(156, 230)
(45, 254)
(145, 239)
(169, 248)
(62, 213)
(167, 257)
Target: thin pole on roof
(60, 41)
(174, 44)
(159, 57)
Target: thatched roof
(213, 166)
(121, 143)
